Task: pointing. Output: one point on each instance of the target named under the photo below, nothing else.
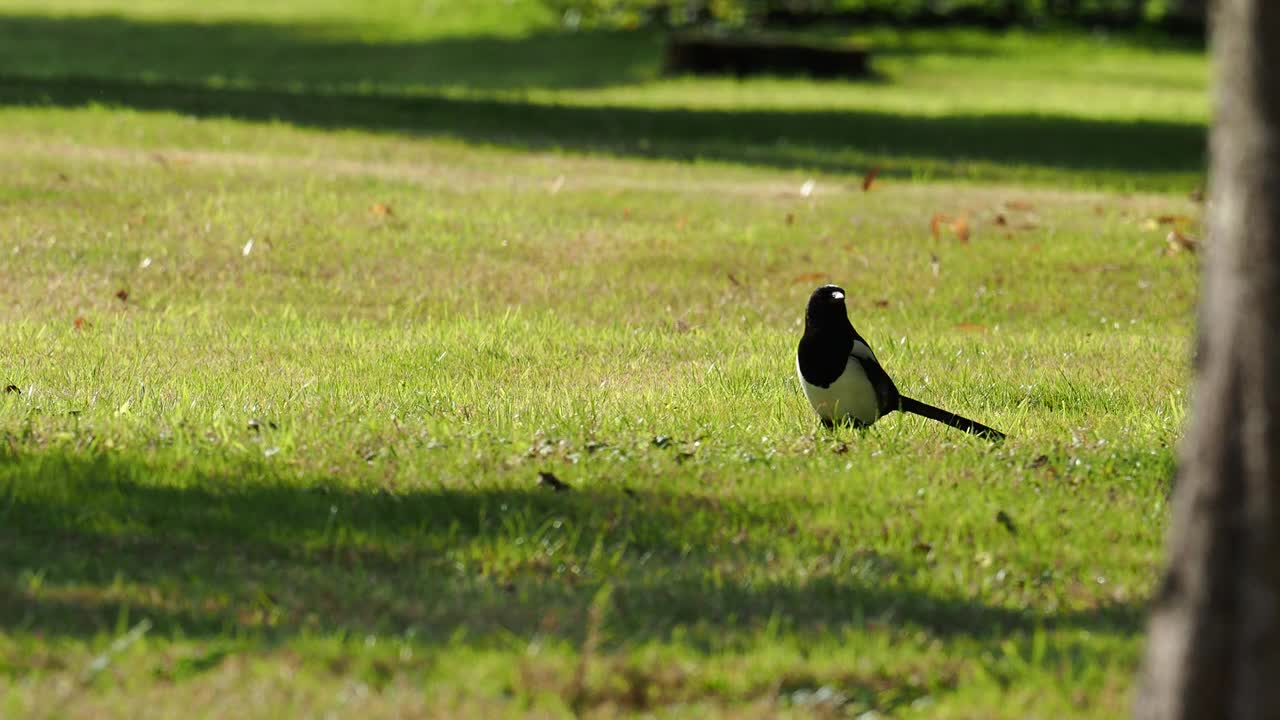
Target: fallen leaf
(12, 389)
(80, 323)
(935, 225)
(1001, 220)
(881, 303)
(1022, 205)
(1173, 219)
(381, 210)
(1177, 242)
(626, 213)
(961, 228)
(972, 327)
(809, 277)
(870, 178)
(546, 479)
(122, 294)
(1003, 518)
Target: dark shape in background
(708, 54)
(1185, 17)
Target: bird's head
(826, 308)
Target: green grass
(1057, 109)
(300, 476)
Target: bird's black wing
(886, 391)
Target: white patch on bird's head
(837, 295)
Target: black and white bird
(842, 378)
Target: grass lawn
(299, 298)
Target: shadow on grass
(1166, 155)
(304, 76)
(87, 541)
(319, 54)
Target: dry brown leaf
(381, 210)
(935, 225)
(1177, 242)
(870, 178)
(122, 294)
(972, 327)
(881, 303)
(961, 228)
(80, 323)
(1173, 219)
(809, 277)
(1001, 220)
(1022, 205)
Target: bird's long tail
(949, 418)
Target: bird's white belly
(851, 396)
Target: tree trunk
(1214, 645)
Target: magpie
(842, 378)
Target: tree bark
(1214, 644)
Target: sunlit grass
(281, 394)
